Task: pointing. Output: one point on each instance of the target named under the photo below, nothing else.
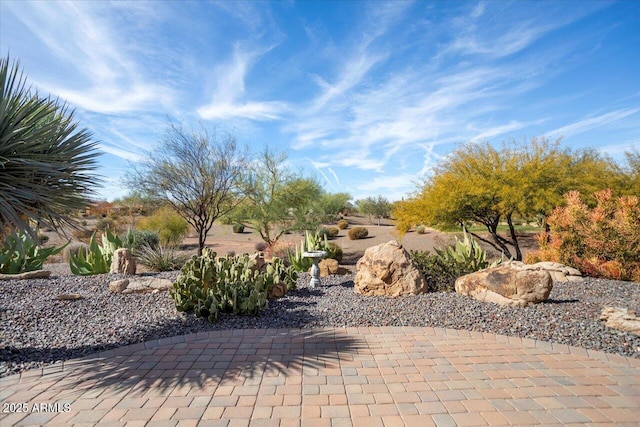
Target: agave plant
(467, 255)
(46, 160)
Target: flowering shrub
(601, 242)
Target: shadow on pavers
(224, 358)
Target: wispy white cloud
(593, 122)
(96, 70)
(228, 100)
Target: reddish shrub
(601, 242)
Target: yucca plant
(46, 160)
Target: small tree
(47, 162)
(196, 173)
(276, 199)
(378, 207)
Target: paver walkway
(369, 377)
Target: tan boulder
(117, 286)
(140, 285)
(278, 291)
(328, 267)
(123, 262)
(621, 319)
(387, 269)
(509, 284)
(559, 272)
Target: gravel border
(36, 329)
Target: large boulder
(621, 319)
(387, 269)
(511, 284)
(123, 262)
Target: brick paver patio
(370, 377)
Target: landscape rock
(328, 266)
(140, 285)
(386, 269)
(38, 274)
(510, 284)
(621, 319)
(278, 291)
(559, 272)
(123, 262)
(117, 286)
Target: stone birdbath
(315, 256)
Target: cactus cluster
(209, 285)
(97, 259)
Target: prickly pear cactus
(210, 285)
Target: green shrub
(238, 228)
(343, 224)
(98, 258)
(161, 258)
(210, 285)
(421, 229)
(357, 233)
(333, 232)
(439, 275)
(20, 253)
(169, 225)
(137, 239)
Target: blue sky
(366, 96)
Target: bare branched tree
(196, 172)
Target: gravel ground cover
(37, 329)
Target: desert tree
(481, 184)
(47, 161)
(277, 199)
(196, 172)
(377, 207)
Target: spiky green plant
(99, 256)
(46, 160)
(20, 253)
(467, 255)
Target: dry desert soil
(223, 241)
